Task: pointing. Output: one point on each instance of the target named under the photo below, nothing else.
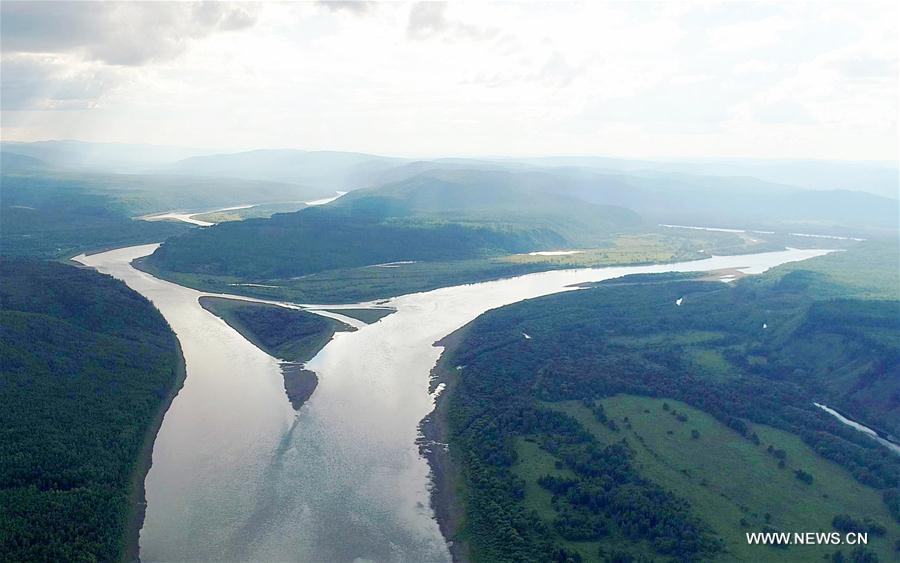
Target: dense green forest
(87, 367)
(54, 212)
(288, 334)
(49, 218)
(555, 466)
(421, 219)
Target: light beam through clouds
(787, 79)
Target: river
(238, 475)
(864, 429)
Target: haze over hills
(111, 157)
(534, 196)
(877, 177)
(439, 216)
(723, 201)
(331, 170)
(480, 282)
(621, 181)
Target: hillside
(87, 367)
(53, 218)
(109, 157)
(49, 212)
(326, 170)
(879, 178)
(692, 199)
(556, 458)
(427, 218)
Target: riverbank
(345, 461)
(137, 498)
(879, 435)
(447, 495)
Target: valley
(368, 281)
(309, 332)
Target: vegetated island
(629, 427)
(291, 335)
(88, 368)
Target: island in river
(291, 335)
(235, 467)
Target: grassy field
(366, 283)
(532, 464)
(651, 248)
(733, 485)
(870, 270)
(353, 285)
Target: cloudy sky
(811, 79)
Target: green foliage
(629, 337)
(288, 334)
(868, 270)
(426, 218)
(52, 218)
(732, 484)
(316, 239)
(86, 366)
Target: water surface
(237, 475)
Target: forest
(287, 334)
(51, 218)
(421, 219)
(753, 356)
(88, 366)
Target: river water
(238, 475)
(864, 429)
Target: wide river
(237, 474)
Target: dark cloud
(40, 84)
(116, 33)
(429, 19)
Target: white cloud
(117, 33)
(749, 35)
(461, 78)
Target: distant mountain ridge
(430, 217)
(332, 170)
(110, 157)
(715, 192)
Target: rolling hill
(433, 216)
(743, 202)
(326, 170)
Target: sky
(631, 79)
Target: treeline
(86, 365)
(287, 334)
(50, 217)
(440, 216)
(318, 239)
(631, 338)
(492, 405)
